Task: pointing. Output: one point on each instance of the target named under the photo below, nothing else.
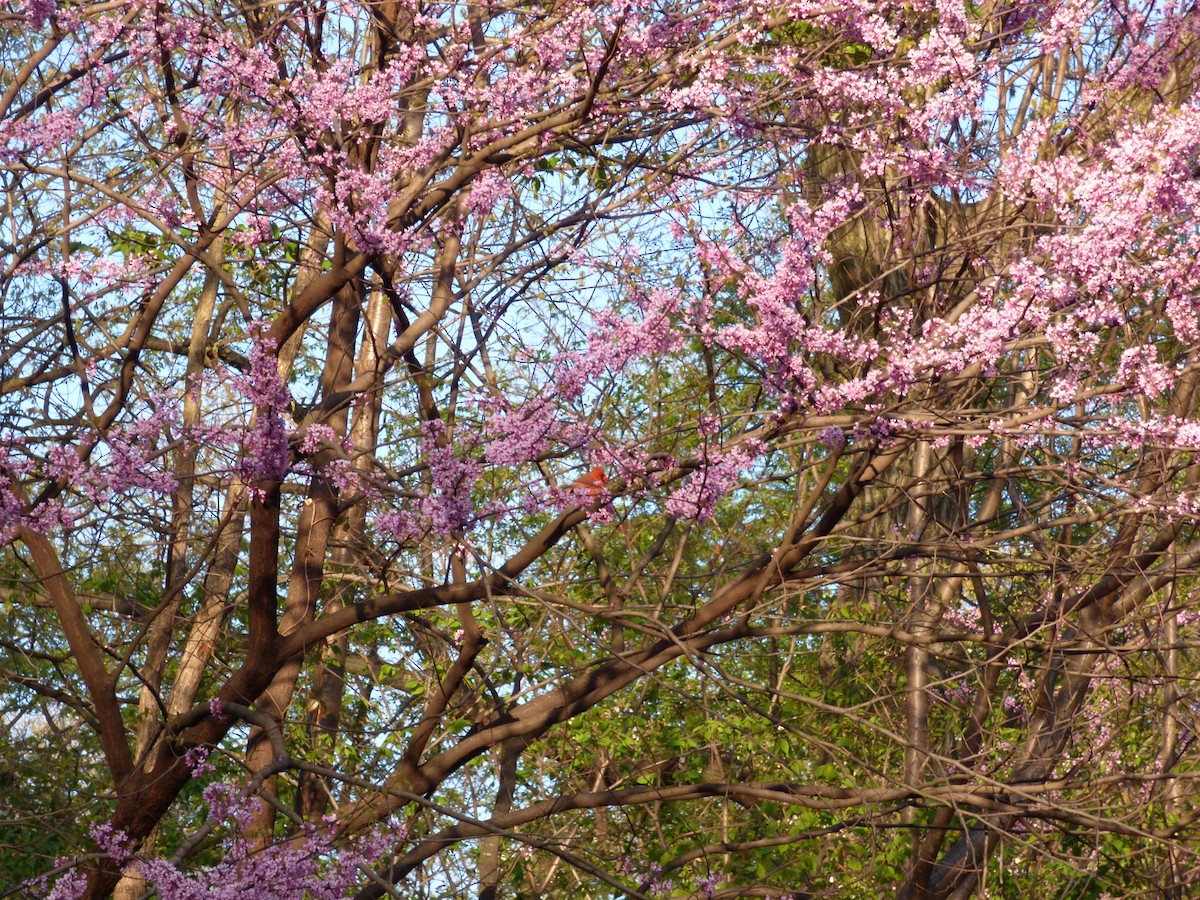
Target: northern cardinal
(592, 482)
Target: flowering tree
(683, 449)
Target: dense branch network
(599, 449)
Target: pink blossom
(37, 12)
(697, 497)
(1140, 367)
(265, 455)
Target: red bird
(593, 482)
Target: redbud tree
(699, 449)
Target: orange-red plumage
(593, 482)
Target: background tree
(879, 321)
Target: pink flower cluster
(311, 865)
(696, 497)
(446, 508)
(265, 456)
